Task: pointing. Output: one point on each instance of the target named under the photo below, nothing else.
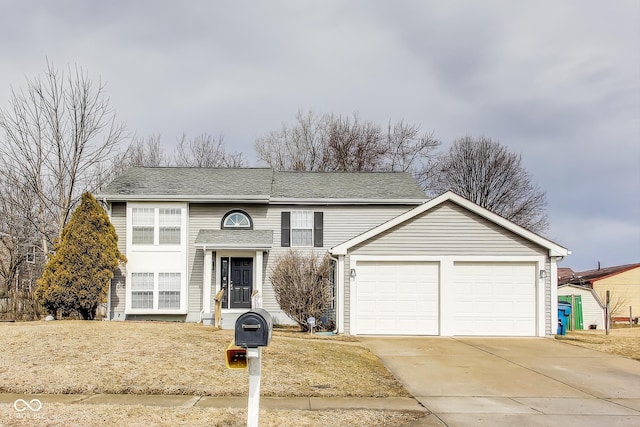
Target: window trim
(156, 245)
(162, 226)
(133, 291)
(223, 226)
(135, 226)
(309, 217)
(155, 294)
(317, 230)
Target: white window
(156, 226)
(301, 228)
(170, 219)
(142, 290)
(236, 220)
(169, 290)
(147, 293)
(142, 220)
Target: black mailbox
(253, 328)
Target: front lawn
(83, 357)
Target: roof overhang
(313, 201)
(262, 199)
(234, 239)
(555, 250)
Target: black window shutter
(285, 228)
(317, 229)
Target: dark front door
(241, 282)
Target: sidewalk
(299, 403)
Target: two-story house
(405, 264)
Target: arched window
(237, 219)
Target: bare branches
(204, 151)
(302, 285)
(58, 134)
(491, 176)
(333, 143)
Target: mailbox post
(254, 358)
(252, 332)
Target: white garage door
(397, 298)
(495, 299)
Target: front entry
(240, 285)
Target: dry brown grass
(67, 357)
(622, 341)
(93, 415)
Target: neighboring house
(564, 273)
(405, 265)
(622, 282)
(591, 306)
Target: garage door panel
(397, 298)
(494, 299)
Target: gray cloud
(558, 82)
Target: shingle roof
(343, 185)
(240, 239)
(590, 276)
(168, 181)
(261, 185)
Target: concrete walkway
(513, 381)
(299, 403)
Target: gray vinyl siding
(118, 283)
(448, 230)
(547, 298)
(347, 295)
(341, 223)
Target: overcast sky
(556, 81)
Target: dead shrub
(302, 284)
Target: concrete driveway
(513, 381)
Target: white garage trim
(447, 277)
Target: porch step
(228, 320)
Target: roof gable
(553, 248)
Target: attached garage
(447, 267)
(397, 298)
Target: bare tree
(58, 134)
(145, 152)
(21, 256)
(204, 151)
(141, 152)
(302, 284)
(18, 235)
(618, 306)
(491, 176)
(331, 142)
